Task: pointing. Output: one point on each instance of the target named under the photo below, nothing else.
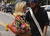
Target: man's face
(32, 5)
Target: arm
(12, 27)
(44, 30)
(46, 23)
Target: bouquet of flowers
(23, 25)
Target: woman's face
(24, 9)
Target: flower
(29, 28)
(24, 26)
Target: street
(5, 18)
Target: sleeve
(45, 18)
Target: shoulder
(43, 11)
(27, 10)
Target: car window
(48, 7)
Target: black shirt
(42, 18)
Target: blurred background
(7, 8)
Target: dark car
(3, 6)
(9, 8)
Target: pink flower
(23, 25)
(29, 28)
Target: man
(41, 17)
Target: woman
(20, 9)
